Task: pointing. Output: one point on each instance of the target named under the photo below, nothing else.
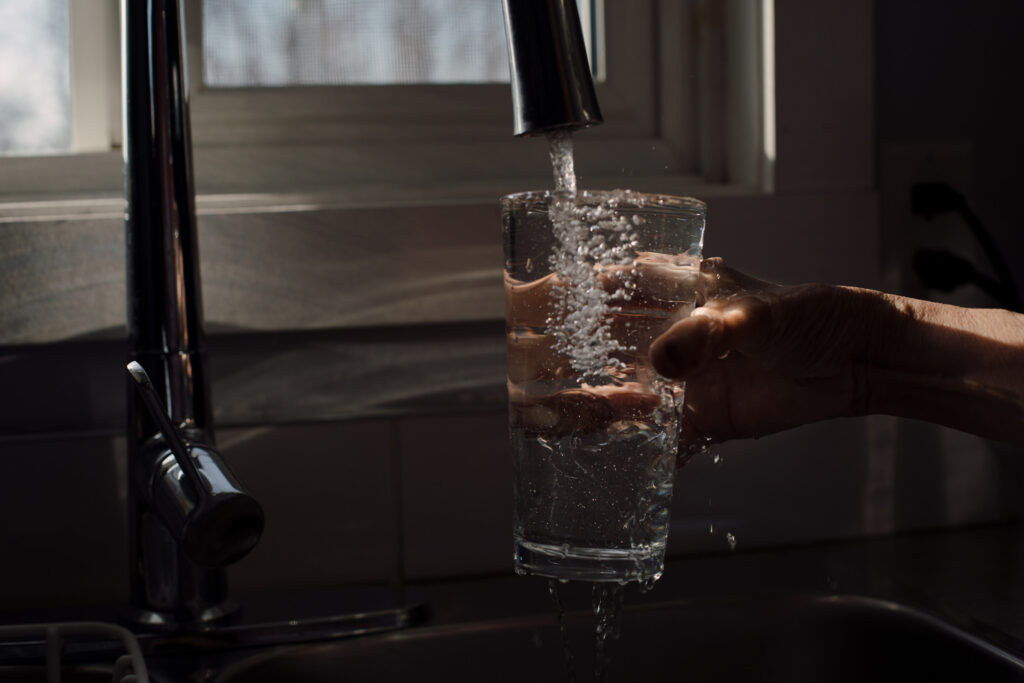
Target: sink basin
(823, 638)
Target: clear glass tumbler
(590, 280)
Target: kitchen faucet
(188, 517)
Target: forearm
(959, 367)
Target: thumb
(712, 331)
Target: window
(250, 43)
(353, 181)
(438, 129)
(258, 86)
(34, 87)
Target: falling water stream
(606, 598)
(607, 601)
(563, 631)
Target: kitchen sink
(794, 639)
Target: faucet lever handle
(216, 522)
(170, 432)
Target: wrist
(959, 367)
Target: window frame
(823, 200)
(647, 98)
(450, 134)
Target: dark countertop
(969, 578)
(972, 578)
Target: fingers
(651, 280)
(713, 331)
(528, 304)
(719, 281)
(584, 409)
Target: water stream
(607, 601)
(606, 598)
(567, 655)
(562, 163)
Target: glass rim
(629, 198)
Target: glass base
(567, 563)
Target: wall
(948, 80)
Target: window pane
(34, 87)
(338, 42)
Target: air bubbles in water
(590, 240)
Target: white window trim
(95, 60)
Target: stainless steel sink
(831, 638)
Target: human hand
(759, 358)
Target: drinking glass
(591, 278)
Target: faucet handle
(170, 432)
(194, 491)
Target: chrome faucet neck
(175, 561)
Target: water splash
(647, 585)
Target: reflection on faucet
(188, 517)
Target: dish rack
(27, 638)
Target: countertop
(972, 578)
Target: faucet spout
(551, 83)
(188, 516)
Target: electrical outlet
(901, 165)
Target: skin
(760, 358)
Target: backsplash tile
(328, 491)
(457, 495)
(62, 522)
(430, 497)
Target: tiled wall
(429, 497)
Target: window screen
(35, 114)
(346, 42)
